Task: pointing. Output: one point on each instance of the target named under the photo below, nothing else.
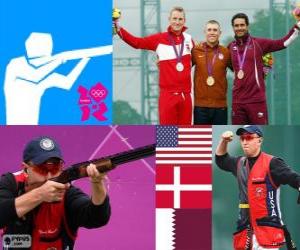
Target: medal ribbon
(242, 60)
(208, 64)
(178, 55)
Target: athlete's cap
(40, 150)
(252, 129)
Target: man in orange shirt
(210, 83)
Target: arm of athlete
(223, 160)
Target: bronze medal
(241, 59)
(240, 74)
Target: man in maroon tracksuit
(249, 104)
(173, 49)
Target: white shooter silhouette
(27, 77)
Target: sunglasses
(48, 167)
(248, 137)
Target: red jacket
(170, 79)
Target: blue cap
(252, 129)
(40, 150)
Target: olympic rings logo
(98, 92)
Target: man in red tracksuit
(249, 104)
(173, 49)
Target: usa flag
(183, 187)
(183, 167)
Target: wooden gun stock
(105, 164)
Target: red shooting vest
(48, 222)
(263, 207)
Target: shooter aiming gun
(104, 164)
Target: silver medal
(179, 67)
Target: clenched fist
(227, 136)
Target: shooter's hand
(98, 186)
(227, 136)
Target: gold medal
(210, 81)
(240, 74)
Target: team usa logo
(272, 203)
(259, 192)
(260, 114)
(47, 144)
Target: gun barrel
(132, 155)
(105, 164)
(84, 53)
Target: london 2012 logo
(91, 102)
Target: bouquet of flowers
(267, 64)
(296, 11)
(116, 14)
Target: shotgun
(73, 55)
(104, 164)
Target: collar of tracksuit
(184, 28)
(242, 40)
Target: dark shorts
(249, 113)
(213, 116)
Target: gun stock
(104, 164)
